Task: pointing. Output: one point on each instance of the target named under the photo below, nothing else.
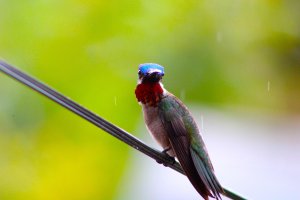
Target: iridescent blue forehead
(147, 67)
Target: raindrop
(115, 99)
(268, 86)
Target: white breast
(156, 128)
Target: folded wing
(199, 172)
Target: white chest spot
(155, 125)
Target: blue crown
(147, 67)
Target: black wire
(96, 120)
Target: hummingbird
(171, 124)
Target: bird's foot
(172, 159)
(171, 162)
(166, 150)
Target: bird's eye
(140, 74)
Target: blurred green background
(229, 55)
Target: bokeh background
(235, 63)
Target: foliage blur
(242, 55)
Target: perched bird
(173, 127)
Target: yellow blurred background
(238, 57)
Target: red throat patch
(149, 93)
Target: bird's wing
(206, 173)
(177, 133)
(193, 159)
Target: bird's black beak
(152, 77)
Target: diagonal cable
(96, 120)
